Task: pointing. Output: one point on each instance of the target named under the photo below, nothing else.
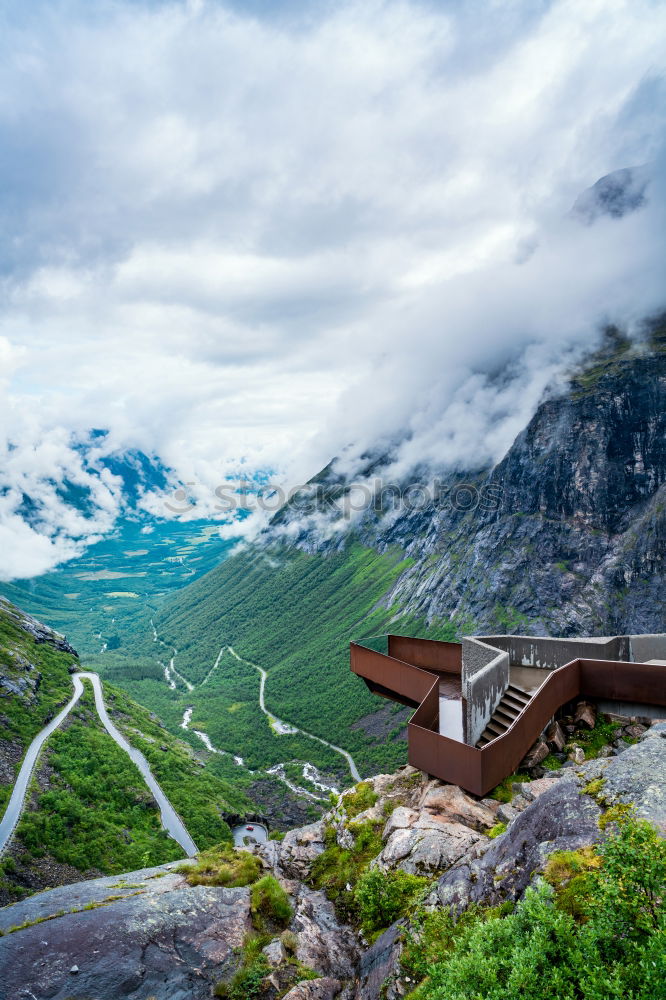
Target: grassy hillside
(34, 683)
(294, 615)
(89, 809)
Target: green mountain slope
(293, 614)
(116, 581)
(88, 808)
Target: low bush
(222, 865)
(610, 946)
(383, 897)
(337, 870)
(269, 904)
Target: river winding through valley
(279, 726)
(170, 819)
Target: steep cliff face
(577, 541)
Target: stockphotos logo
(338, 500)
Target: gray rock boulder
(315, 989)
(429, 845)
(325, 945)
(561, 816)
(379, 966)
(559, 819)
(442, 825)
(637, 776)
(299, 850)
(157, 937)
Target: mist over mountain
(310, 235)
(65, 492)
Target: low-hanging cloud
(244, 240)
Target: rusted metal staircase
(513, 702)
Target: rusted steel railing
(480, 770)
(430, 654)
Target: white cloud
(254, 241)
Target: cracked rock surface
(160, 938)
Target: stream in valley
(279, 726)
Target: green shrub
(611, 948)
(525, 954)
(269, 904)
(628, 894)
(432, 934)
(222, 865)
(336, 868)
(363, 797)
(383, 897)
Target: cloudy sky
(258, 234)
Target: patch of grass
(592, 740)
(568, 873)
(222, 865)
(551, 763)
(594, 787)
(504, 792)
(336, 869)
(615, 814)
(247, 983)
(269, 904)
(250, 980)
(496, 831)
(363, 797)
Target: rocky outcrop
(561, 813)
(323, 944)
(636, 776)
(426, 827)
(151, 934)
(147, 933)
(40, 633)
(423, 843)
(559, 819)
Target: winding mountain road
(284, 727)
(278, 726)
(170, 819)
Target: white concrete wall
(485, 678)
